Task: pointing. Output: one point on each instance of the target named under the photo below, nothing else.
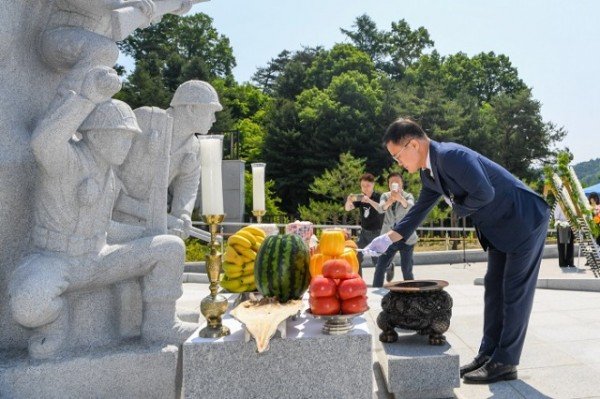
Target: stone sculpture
(73, 203)
(168, 135)
(82, 33)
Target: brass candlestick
(259, 215)
(213, 306)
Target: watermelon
(281, 267)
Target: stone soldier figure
(82, 33)
(79, 33)
(74, 200)
(192, 111)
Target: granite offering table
(306, 364)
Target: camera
(357, 197)
(395, 187)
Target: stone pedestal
(306, 364)
(413, 369)
(131, 371)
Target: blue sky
(555, 45)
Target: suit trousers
(565, 249)
(510, 283)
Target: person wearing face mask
(395, 204)
(370, 218)
(511, 222)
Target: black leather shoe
(491, 372)
(389, 273)
(474, 365)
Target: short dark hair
(595, 197)
(402, 128)
(368, 177)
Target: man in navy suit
(511, 222)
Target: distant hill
(588, 172)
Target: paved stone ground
(561, 358)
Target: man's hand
(100, 84)
(379, 244)
(348, 206)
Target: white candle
(211, 154)
(258, 186)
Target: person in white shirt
(395, 204)
(565, 238)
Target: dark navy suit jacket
(503, 209)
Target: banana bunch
(238, 260)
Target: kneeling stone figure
(74, 201)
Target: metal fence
(450, 237)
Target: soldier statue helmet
(110, 129)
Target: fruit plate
(336, 324)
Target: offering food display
(239, 259)
(338, 295)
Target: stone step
(135, 370)
(413, 369)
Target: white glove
(368, 252)
(379, 244)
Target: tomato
(352, 288)
(324, 306)
(322, 286)
(354, 305)
(336, 268)
(350, 276)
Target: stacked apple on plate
(338, 290)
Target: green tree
(482, 76)
(307, 136)
(265, 77)
(391, 51)
(285, 75)
(522, 140)
(244, 109)
(588, 172)
(340, 59)
(170, 52)
(368, 39)
(331, 101)
(331, 189)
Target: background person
(395, 204)
(564, 239)
(370, 219)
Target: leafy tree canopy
(170, 52)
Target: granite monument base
(129, 371)
(413, 369)
(306, 364)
